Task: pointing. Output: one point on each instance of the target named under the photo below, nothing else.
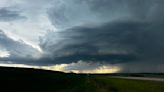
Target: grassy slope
(30, 80)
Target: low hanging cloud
(116, 32)
(97, 44)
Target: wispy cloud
(7, 14)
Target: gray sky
(83, 35)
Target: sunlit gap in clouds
(69, 68)
(4, 54)
(100, 70)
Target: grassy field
(125, 85)
(30, 80)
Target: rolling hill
(36, 80)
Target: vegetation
(33, 80)
(126, 85)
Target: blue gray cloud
(7, 14)
(116, 32)
(19, 52)
(124, 32)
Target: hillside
(35, 80)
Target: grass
(126, 85)
(32, 80)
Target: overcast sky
(96, 36)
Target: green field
(108, 84)
(32, 80)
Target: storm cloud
(119, 31)
(132, 32)
(122, 33)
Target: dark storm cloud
(124, 32)
(123, 41)
(106, 31)
(111, 42)
(7, 14)
(66, 14)
(143, 67)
